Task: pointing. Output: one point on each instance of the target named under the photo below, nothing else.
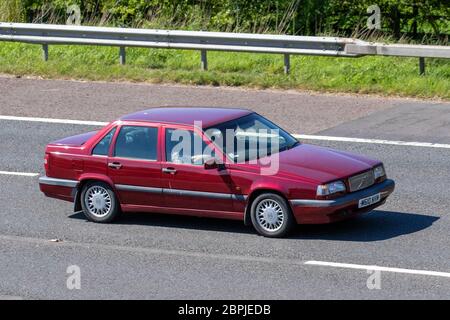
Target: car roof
(209, 116)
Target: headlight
(379, 172)
(330, 188)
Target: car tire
(271, 216)
(99, 202)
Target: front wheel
(271, 215)
(99, 203)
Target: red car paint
(193, 190)
(75, 141)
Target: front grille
(361, 181)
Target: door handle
(169, 170)
(114, 165)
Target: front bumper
(326, 211)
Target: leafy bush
(416, 18)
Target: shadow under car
(376, 225)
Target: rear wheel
(271, 215)
(99, 203)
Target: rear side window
(102, 148)
(137, 142)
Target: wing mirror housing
(213, 163)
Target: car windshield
(250, 137)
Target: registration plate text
(365, 202)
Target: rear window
(137, 142)
(102, 148)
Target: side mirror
(211, 163)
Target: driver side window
(186, 147)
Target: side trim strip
(180, 192)
(204, 194)
(313, 203)
(125, 187)
(239, 197)
(58, 182)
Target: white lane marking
(297, 136)
(51, 120)
(378, 268)
(373, 141)
(23, 174)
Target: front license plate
(365, 202)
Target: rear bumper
(327, 211)
(58, 188)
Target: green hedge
(415, 18)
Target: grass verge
(379, 75)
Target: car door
(187, 184)
(135, 167)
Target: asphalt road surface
(174, 257)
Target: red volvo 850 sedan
(211, 162)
